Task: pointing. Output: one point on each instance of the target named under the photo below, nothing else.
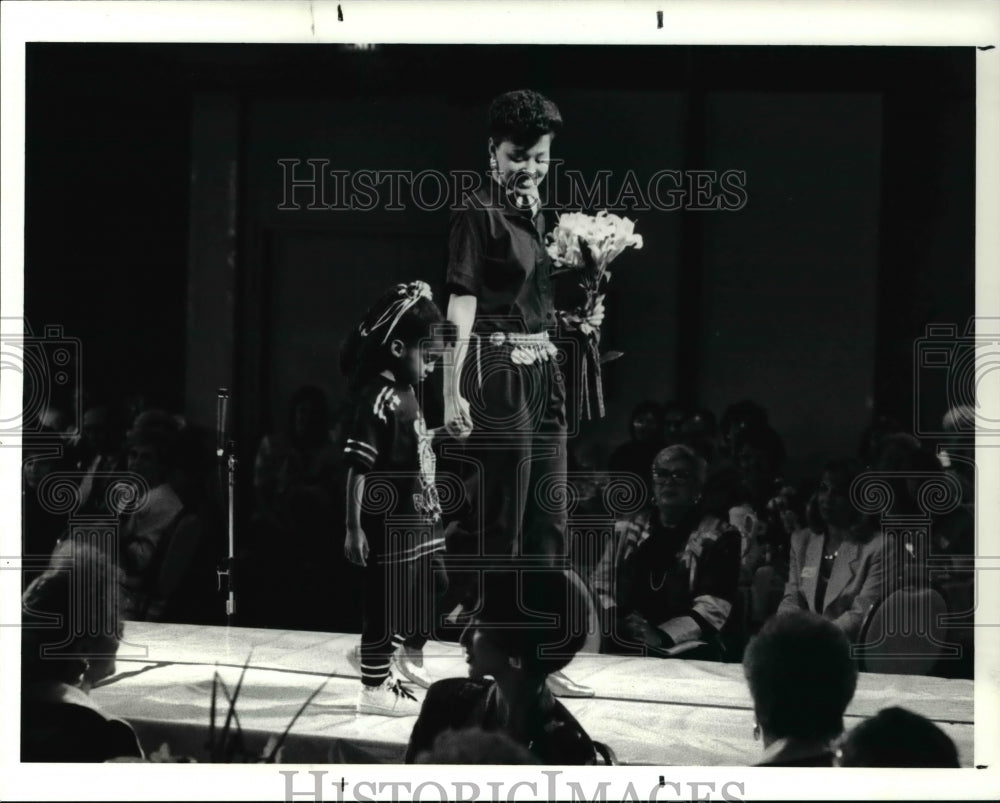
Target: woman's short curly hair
(895, 737)
(801, 676)
(523, 117)
(77, 570)
(536, 615)
(681, 451)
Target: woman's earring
(756, 731)
(514, 661)
(494, 165)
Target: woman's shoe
(562, 686)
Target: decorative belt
(525, 349)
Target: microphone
(221, 416)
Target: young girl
(393, 511)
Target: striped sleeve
(360, 454)
(365, 434)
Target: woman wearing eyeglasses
(667, 581)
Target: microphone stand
(226, 453)
(227, 569)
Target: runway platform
(650, 711)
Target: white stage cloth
(649, 710)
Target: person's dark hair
(56, 628)
(523, 116)
(475, 746)
(365, 351)
(537, 615)
(721, 491)
(642, 408)
(842, 471)
(163, 441)
(709, 424)
(801, 676)
(762, 438)
(880, 427)
(901, 452)
(749, 412)
(895, 737)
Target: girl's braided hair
(405, 312)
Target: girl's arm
(462, 313)
(356, 543)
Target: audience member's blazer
(857, 580)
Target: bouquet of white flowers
(587, 244)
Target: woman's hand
(596, 317)
(457, 417)
(591, 324)
(637, 628)
(356, 547)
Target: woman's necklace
(829, 554)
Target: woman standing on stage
(503, 391)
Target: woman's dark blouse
(656, 583)
(496, 252)
(56, 730)
(458, 703)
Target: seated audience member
(958, 454)
(674, 415)
(298, 511)
(194, 474)
(895, 737)
(637, 455)
(784, 514)
(952, 533)
(878, 429)
(528, 624)
(737, 417)
(41, 526)
(837, 567)
(475, 746)
(60, 664)
(98, 452)
(802, 678)
(294, 470)
(668, 578)
(701, 432)
(759, 455)
(144, 533)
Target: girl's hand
(356, 547)
(457, 416)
